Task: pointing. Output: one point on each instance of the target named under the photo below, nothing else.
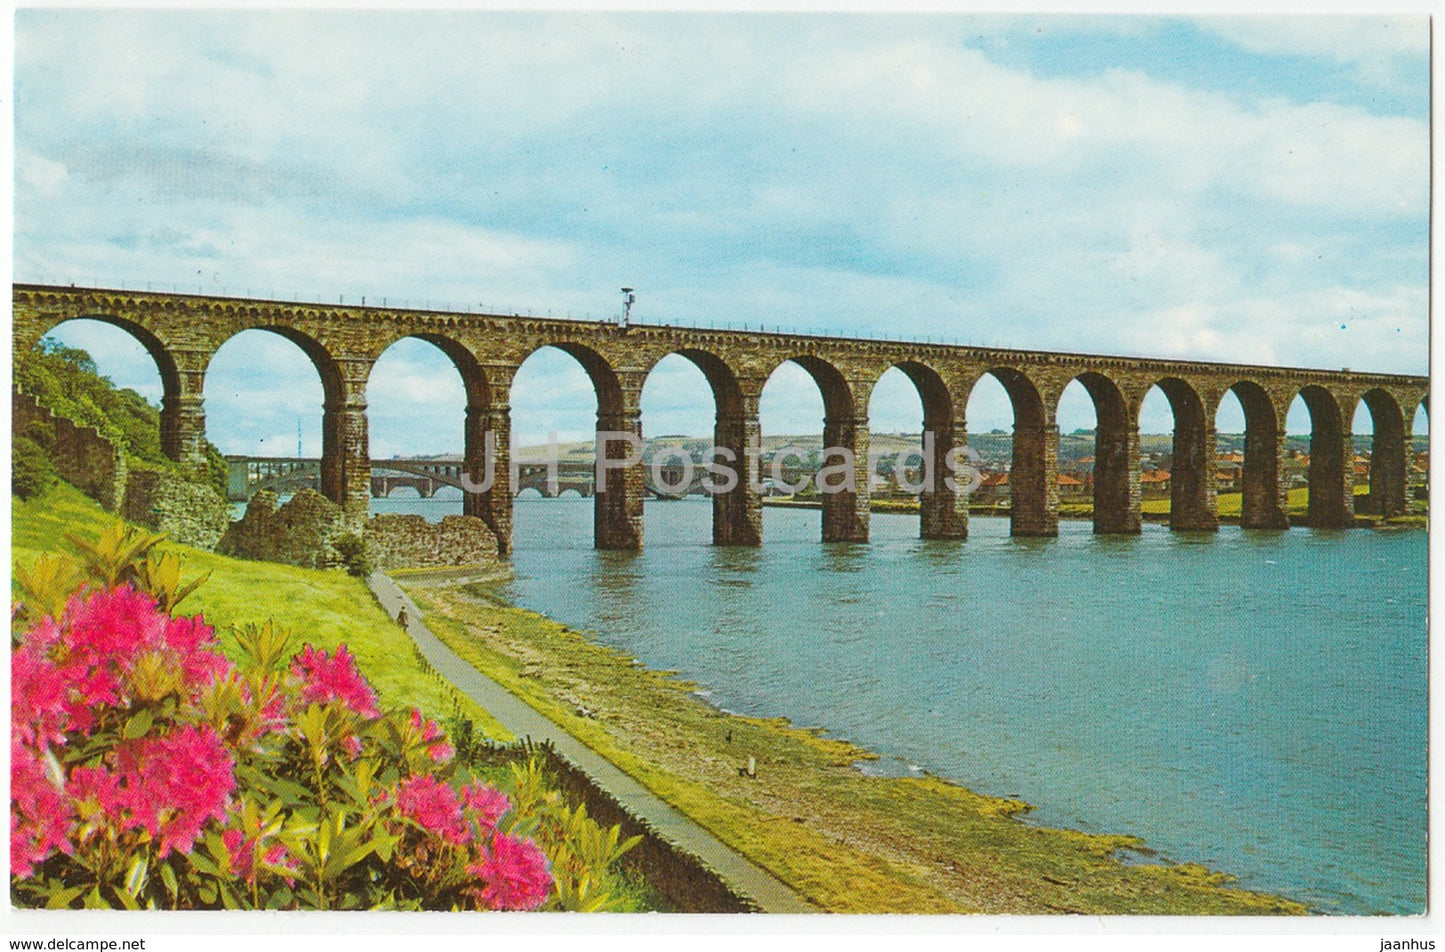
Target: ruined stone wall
(302, 532)
(306, 529)
(85, 458)
(190, 513)
(396, 541)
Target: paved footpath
(741, 875)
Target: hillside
(995, 446)
(66, 381)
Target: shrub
(351, 550)
(149, 770)
(41, 431)
(31, 472)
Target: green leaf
(126, 899)
(135, 878)
(168, 876)
(217, 848)
(345, 850)
(323, 841)
(289, 790)
(63, 898)
(625, 847)
(385, 846)
(228, 898)
(202, 864)
(139, 725)
(53, 771)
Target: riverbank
(843, 840)
(1152, 510)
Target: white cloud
(791, 403)
(39, 175)
(856, 175)
(117, 355)
(1382, 53)
(1346, 39)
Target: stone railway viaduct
(183, 332)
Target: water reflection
(733, 566)
(616, 574)
(940, 554)
(843, 558)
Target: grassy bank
(324, 608)
(844, 841)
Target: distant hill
(995, 448)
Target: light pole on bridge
(628, 298)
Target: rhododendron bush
(149, 770)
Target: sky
(1229, 188)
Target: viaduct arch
(182, 332)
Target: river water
(1252, 701)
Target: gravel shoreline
(845, 840)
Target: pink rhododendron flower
(99, 796)
(112, 624)
(435, 806)
(326, 679)
(515, 872)
(188, 638)
(89, 690)
(437, 747)
(148, 784)
(45, 634)
(241, 857)
(39, 713)
(487, 804)
(176, 783)
(103, 634)
(40, 816)
(170, 786)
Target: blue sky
(1220, 188)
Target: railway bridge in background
(249, 475)
(182, 333)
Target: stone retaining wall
(86, 459)
(396, 541)
(681, 878)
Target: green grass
(1229, 504)
(324, 608)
